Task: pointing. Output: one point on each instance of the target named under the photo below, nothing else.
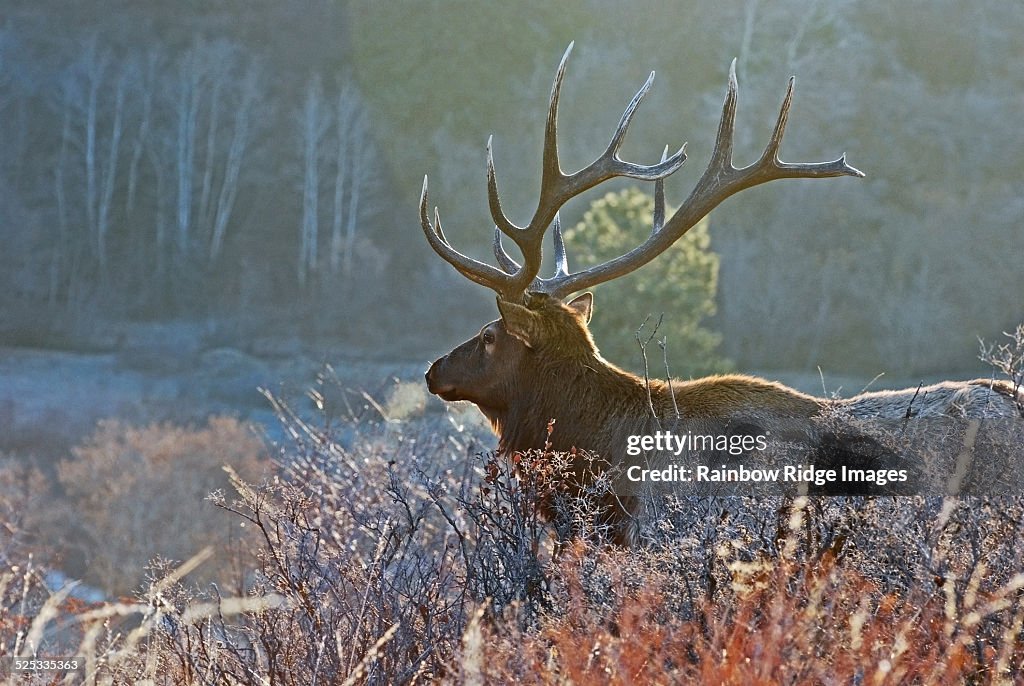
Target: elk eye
(488, 338)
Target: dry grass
(782, 620)
(403, 555)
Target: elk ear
(520, 321)
(584, 306)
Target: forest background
(254, 168)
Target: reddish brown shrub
(142, 492)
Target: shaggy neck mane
(574, 394)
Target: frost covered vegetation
(388, 552)
(251, 176)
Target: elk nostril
(431, 373)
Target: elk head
(536, 329)
(485, 369)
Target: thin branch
(643, 352)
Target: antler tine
(780, 170)
(493, 201)
(528, 238)
(610, 165)
(561, 262)
(509, 265)
(627, 118)
(659, 200)
(551, 169)
(483, 274)
(768, 167)
(617, 167)
(721, 154)
(719, 181)
(771, 151)
(558, 187)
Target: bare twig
(663, 344)
(643, 352)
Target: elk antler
(720, 180)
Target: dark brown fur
(547, 367)
(539, 362)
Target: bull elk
(538, 361)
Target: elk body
(538, 361)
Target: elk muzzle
(436, 385)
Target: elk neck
(586, 396)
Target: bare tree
(333, 135)
(189, 119)
(147, 78)
(353, 132)
(312, 129)
(210, 145)
(186, 113)
(94, 114)
(233, 161)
